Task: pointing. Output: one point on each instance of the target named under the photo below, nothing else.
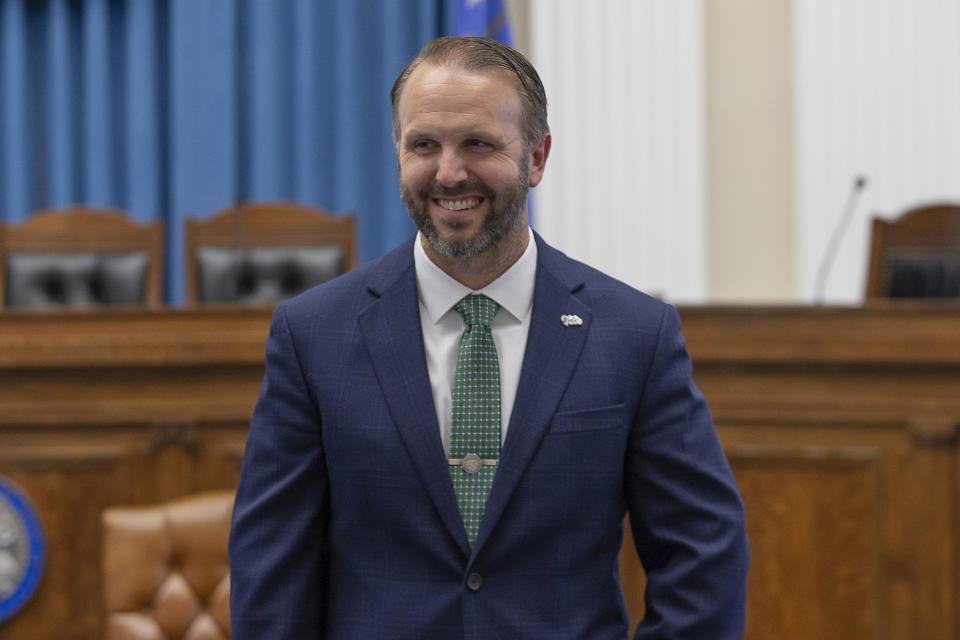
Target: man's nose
(451, 169)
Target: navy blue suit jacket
(346, 525)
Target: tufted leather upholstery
(924, 276)
(259, 253)
(166, 575)
(45, 280)
(263, 275)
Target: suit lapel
(390, 325)
(549, 360)
(391, 331)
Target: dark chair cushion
(925, 276)
(264, 274)
(50, 280)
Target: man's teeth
(458, 205)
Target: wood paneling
(840, 425)
(125, 407)
(803, 499)
(841, 429)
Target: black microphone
(859, 184)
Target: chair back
(916, 255)
(165, 570)
(261, 253)
(80, 257)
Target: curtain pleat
(143, 104)
(97, 132)
(59, 168)
(205, 136)
(268, 35)
(17, 154)
(176, 108)
(314, 28)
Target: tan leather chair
(166, 575)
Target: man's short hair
(483, 54)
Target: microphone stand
(821, 283)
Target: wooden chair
(262, 253)
(917, 255)
(80, 257)
(165, 570)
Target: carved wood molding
(214, 336)
(885, 332)
(934, 430)
(160, 435)
(844, 455)
(60, 455)
(125, 412)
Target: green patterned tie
(475, 426)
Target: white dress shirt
(442, 327)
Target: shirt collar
(513, 290)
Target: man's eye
(423, 145)
(477, 144)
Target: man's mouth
(458, 205)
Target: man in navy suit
(347, 524)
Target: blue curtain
(177, 108)
(488, 18)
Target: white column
(624, 188)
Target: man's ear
(539, 160)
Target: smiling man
(448, 438)
(465, 167)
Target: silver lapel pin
(571, 320)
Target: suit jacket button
(474, 580)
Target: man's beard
(505, 213)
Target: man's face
(464, 172)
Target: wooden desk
(841, 428)
(840, 424)
(123, 407)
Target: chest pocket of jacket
(581, 420)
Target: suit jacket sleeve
(685, 510)
(277, 538)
